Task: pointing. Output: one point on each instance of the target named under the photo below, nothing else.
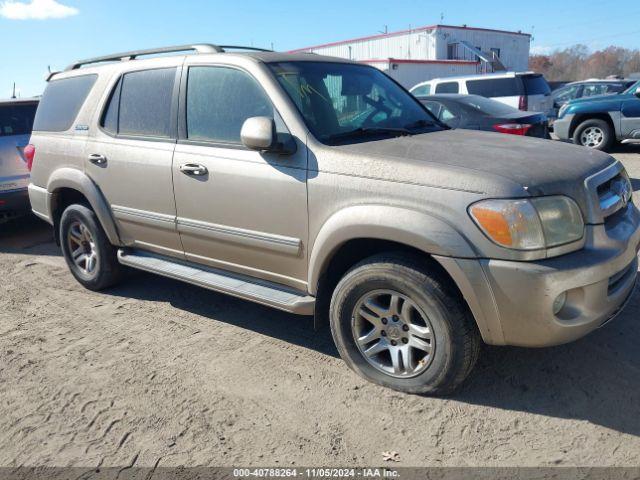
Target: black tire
(107, 270)
(456, 336)
(602, 130)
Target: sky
(36, 34)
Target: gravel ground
(156, 372)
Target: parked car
(16, 120)
(526, 91)
(473, 112)
(600, 122)
(589, 88)
(317, 185)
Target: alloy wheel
(82, 248)
(393, 334)
(592, 137)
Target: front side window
(567, 93)
(220, 100)
(16, 118)
(422, 90)
(342, 101)
(61, 103)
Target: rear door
(538, 93)
(130, 154)
(16, 122)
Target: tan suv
(320, 186)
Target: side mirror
(637, 92)
(259, 133)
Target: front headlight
(529, 224)
(563, 110)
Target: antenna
(13, 96)
(442, 17)
(385, 31)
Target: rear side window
(61, 103)
(422, 90)
(144, 101)
(17, 119)
(219, 100)
(448, 87)
(496, 87)
(535, 85)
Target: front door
(238, 209)
(630, 117)
(130, 158)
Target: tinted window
(16, 118)
(495, 87)
(449, 87)
(422, 90)
(110, 118)
(61, 103)
(219, 100)
(535, 85)
(145, 103)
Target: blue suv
(599, 122)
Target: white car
(527, 91)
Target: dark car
(474, 112)
(16, 122)
(599, 122)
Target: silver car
(16, 121)
(321, 187)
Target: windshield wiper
(366, 131)
(419, 124)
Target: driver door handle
(193, 169)
(97, 159)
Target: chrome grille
(615, 194)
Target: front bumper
(562, 126)
(513, 301)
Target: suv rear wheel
(91, 258)
(400, 326)
(594, 133)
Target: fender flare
(416, 229)
(75, 179)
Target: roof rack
(199, 48)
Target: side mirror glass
(259, 133)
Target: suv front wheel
(91, 258)
(596, 134)
(400, 326)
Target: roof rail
(125, 56)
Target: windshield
(632, 88)
(487, 106)
(343, 101)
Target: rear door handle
(97, 159)
(193, 169)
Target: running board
(259, 291)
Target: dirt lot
(156, 372)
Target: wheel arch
(579, 118)
(69, 185)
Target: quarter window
(61, 103)
(219, 100)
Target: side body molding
(75, 179)
(410, 227)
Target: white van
(526, 91)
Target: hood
(613, 99)
(488, 163)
